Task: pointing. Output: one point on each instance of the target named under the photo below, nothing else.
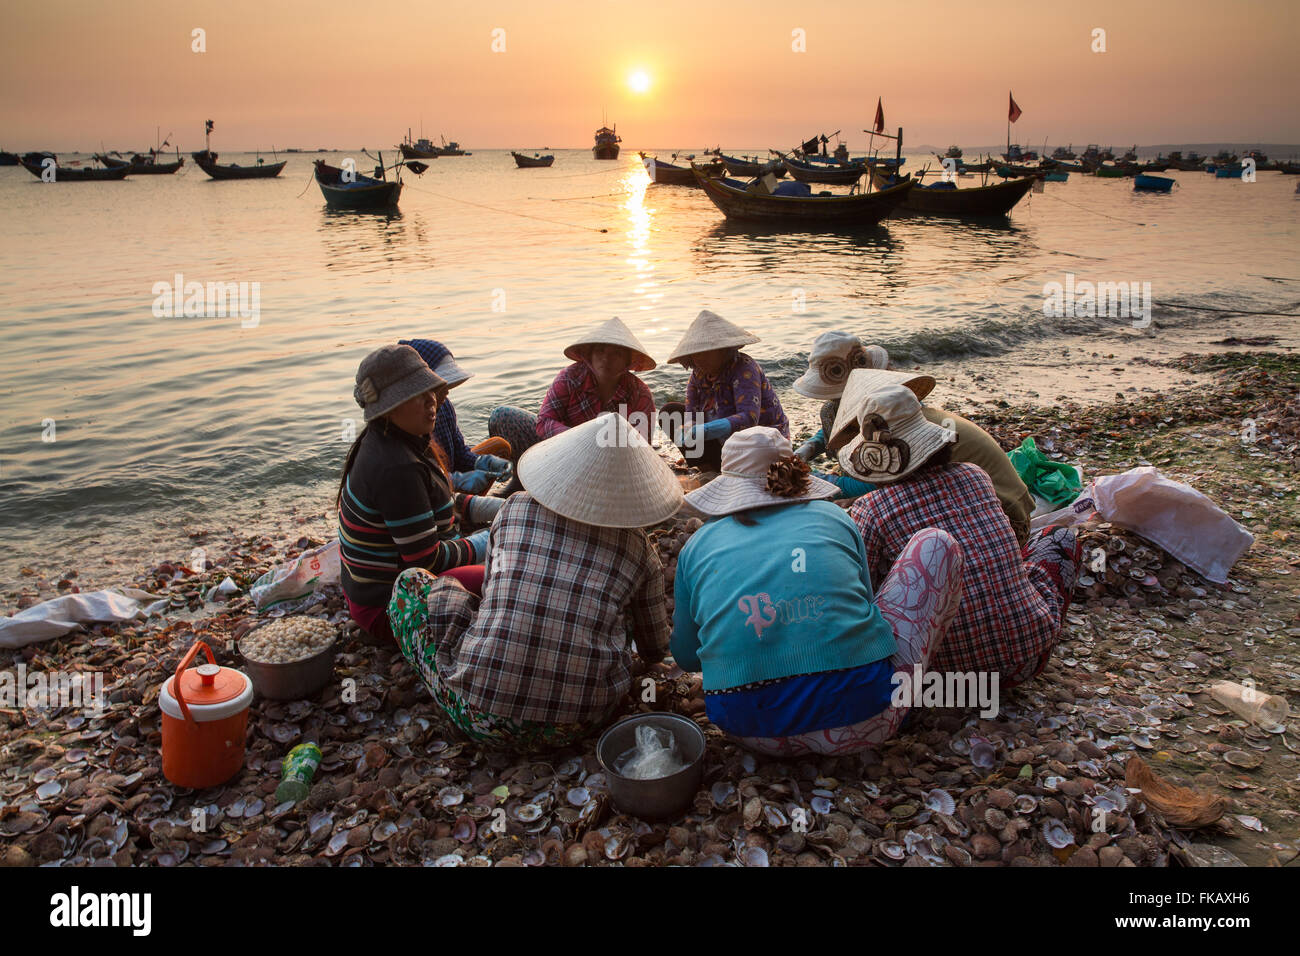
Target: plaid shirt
(739, 393)
(549, 640)
(1010, 611)
(574, 398)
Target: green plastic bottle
(297, 769)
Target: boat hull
(411, 152)
(365, 193)
(63, 174)
(207, 162)
(532, 162)
(976, 201)
(1153, 184)
(825, 175)
(605, 151)
(804, 212)
(743, 167)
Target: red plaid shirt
(1010, 611)
(574, 398)
(549, 640)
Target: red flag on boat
(880, 116)
(1014, 113)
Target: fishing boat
(668, 174)
(418, 149)
(206, 160)
(947, 199)
(606, 145)
(1192, 161)
(148, 164)
(984, 167)
(1157, 165)
(954, 152)
(751, 167)
(534, 161)
(1017, 171)
(1114, 171)
(1063, 152)
(757, 202)
(1130, 156)
(1228, 171)
(1064, 167)
(348, 189)
(828, 175)
(8, 159)
(1015, 154)
(34, 163)
(449, 149)
(1154, 184)
(1287, 168)
(1057, 176)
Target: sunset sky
(325, 73)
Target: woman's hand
(497, 467)
(472, 482)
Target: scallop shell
(940, 801)
(527, 813)
(982, 754)
(451, 796)
(578, 796)
(1057, 834)
(1243, 759)
(753, 856)
(721, 793)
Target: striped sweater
(397, 512)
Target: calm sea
(121, 427)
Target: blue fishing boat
(1057, 177)
(1231, 171)
(1154, 184)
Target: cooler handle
(185, 662)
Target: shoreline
(1122, 664)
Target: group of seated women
(801, 616)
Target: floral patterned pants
(919, 598)
(408, 612)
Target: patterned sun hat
(834, 355)
(748, 479)
(862, 383)
(894, 438)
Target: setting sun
(639, 81)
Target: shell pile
(1118, 565)
(288, 639)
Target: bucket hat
(389, 376)
(861, 384)
(834, 355)
(894, 437)
(439, 358)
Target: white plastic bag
(58, 616)
(1175, 516)
(287, 587)
(654, 756)
(1077, 511)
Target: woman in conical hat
(727, 391)
(601, 379)
(1015, 600)
(473, 470)
(544, 657)
(775, 606)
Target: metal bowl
(664, 796)
(292, 680)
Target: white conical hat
(710, 331)
(613, 332)
(602, 473)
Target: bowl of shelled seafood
(291, 658)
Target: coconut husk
(1180, 806)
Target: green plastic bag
(1053, 481)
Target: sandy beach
(397, 786)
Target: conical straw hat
(862, 383)
(613, 332)
(602, 473)
(710, 331)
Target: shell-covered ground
(1041, 784)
